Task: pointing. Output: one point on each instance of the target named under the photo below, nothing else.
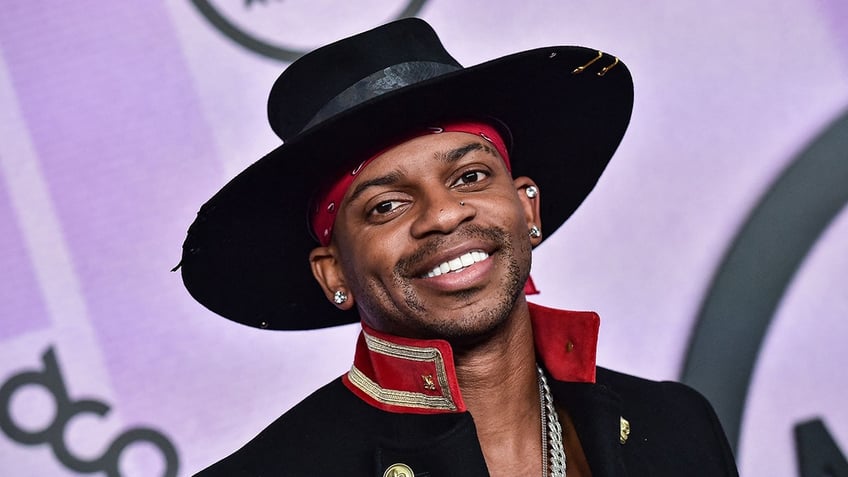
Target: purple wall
(120, 118)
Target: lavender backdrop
(118, 119)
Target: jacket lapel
(596, 413)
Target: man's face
(432, 239)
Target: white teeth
(458, 263)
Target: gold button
(399, 470)
(569, 347)
(624, 431)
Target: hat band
(388, 79)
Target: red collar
(403, 375)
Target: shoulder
(333, 432)
(669, 400)
(669, 416)
(301, 439)
(638, 389)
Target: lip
(472, 276)
(468, 276)
(445, 254)
(458, 264)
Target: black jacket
(674, 432)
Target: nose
(441, 212)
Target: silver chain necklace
(553, 451)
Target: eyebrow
(456, 154)
(388, 179)
(448, 157)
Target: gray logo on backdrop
(752, 279)
(246, 34)
(50, 378)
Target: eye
(386, 207)
(471, 177)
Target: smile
(459, 263)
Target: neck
(499, 384)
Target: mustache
(411, 264)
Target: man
(421, 183)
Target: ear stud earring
(531, 191)
(535, 232)
(339, 297)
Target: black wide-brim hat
(562, 110)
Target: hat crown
(337, 77)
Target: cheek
(511, 214)
(368, 257)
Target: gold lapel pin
(624, 432)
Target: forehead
(424, 152)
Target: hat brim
(246, 254)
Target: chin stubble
(482, 321)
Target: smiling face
(431, 240)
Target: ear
(530, 203)
(328, 273)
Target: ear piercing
(531, 191)
(339, 297)
(535, 232)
